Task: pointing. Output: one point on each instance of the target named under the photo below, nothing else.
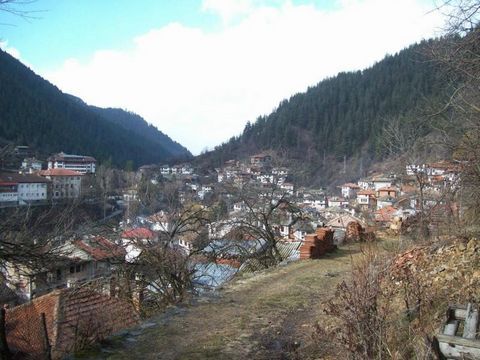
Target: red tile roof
(100, 248)
(138, 233)
(66, 311)
(59, 172)
(385, 214)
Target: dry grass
(268, 315)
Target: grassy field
(267, 315)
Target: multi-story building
(22, 189)
(8, 191)
(82, 164)
(66, 184)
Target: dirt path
(266, 316)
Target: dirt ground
(268, 315)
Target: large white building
(82, 164)
(66, 184)
(22, 189)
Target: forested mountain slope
(135, 123)
(341, 117)
(36, 113)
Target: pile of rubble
(452, 269)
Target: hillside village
(344, 224)
(212, 223)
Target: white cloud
(202, 87)
(10, 50)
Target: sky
(199, 70)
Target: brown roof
(15, 178)
(59, 172)
(388, 188)
(366, 192)
(67, 312)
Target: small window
(78, 268)
(72, 269)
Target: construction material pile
(316, 245)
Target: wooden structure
(459, 337)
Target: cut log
(471, 323)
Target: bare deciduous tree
(266, 208)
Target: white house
(365, 184)
(8, 192)
(385, 201)
(165, 169)
(379, 183)
(221, 176)
(280, 171)
(366, 198)
(31, 165)
(22, 189)
(288, 187)
(239, 206)
(337, 202)
(159, 221)
(265, 178)
(187, 169)
(349, 190)
(32, 189)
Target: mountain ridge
(36, 113)
(341, 117)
